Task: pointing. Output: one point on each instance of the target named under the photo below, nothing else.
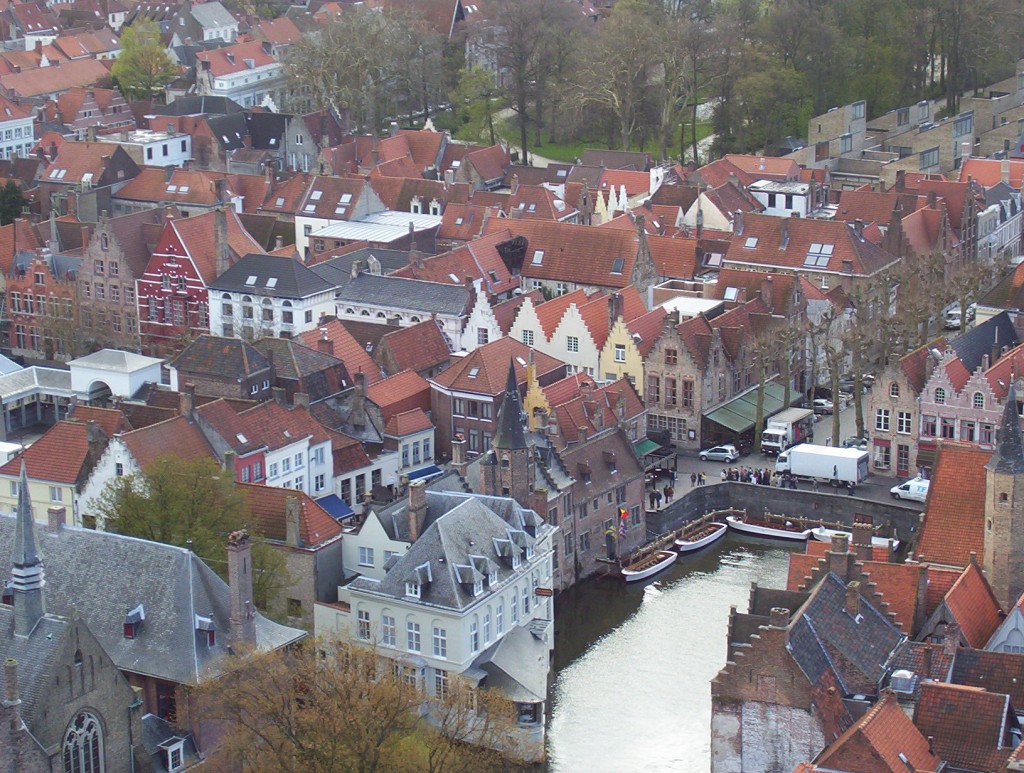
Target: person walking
(650, 497)
(849, 488)
(693, 479)
(657, 498)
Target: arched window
(381, 315)
(225, 296)
(940, 395)
(365, 313)
(83, 745)
(894, 389)
(414, 319)
(979, 400)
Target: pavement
(875, 488)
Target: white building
(270, 296)
(782, 198)
(16, 137)
(153, 148)
(455, 584)
(112, 372)
(244, 72)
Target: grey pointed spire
(509, 433)
(27, 572)
(1009, 455)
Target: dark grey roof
(338, 271)
(101, 575)
(155, 731)
(509, 434)
(215, 354)
(1009, 455)
(272, 276)
(824, 636)
(395, 292)
(267, 130)
(467, 533)
(976, 343)
(229, 130)
(293, 360)
(518, 664)
(196, 105)
(36, 654)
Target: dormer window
(173, 751)
(133, 621)
(206, 629)
(529, 552)
(8, 595)
(478, 587)
(492, 579)
(412, 589)
(515, 560)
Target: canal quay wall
(892, 519)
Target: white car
(726, 453)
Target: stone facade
(893, 417)
(670, 362)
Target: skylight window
(819, 255)
(561, 173)
(538, 257)
(453, 277)
(521, 361)
(315, 195)
(310, 208)
(473, 372)
(250, 281)
(493, 275)
(732, 293)
(242, 438)
(279, 202)
(272, 282)
(172, 188)
(345, 198)
(458, 221)
(183, 189)
(750, 243)
(340, 210)
(617, 266)
(532, 208)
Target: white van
(915, 488)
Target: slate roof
(293, 360)
(271, 276)
(970, 726)
(338, 271)
(979, 340)
(407, 294)
(101, 574)
(268, 508)
(209, 354)
(1000, 672)
(955, 511)
(824, 636)
(36, 654)
(192, 104)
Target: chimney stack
(242, 611)
(323, 343)
(300, 399)
(459, 454)
(616, 308)
(951, 640)
(56, 519)
(220, 239)
(417, 508)
(839, 555)
(278, 242)
(293, 536)
(582, 432)
(862, 533)
(187, 400)
(779, 617)
(852, 606)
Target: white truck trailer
(838, 466)
(787, 428)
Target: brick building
(41, 301)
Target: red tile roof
(110, 420)
(953, 526)
(506, 311)
(231, 60)
(52, 80)
(884, 739)
(268, 507)
(174, 437)
(417, 347)
(969, 725)
(940, 580)
(915, 364)
(974, 605)
(346, 348)
(550, 313)
(281, 31)
(196, 234)
(873, 206)
(485, 370)
(463, 222)
(989, 171)
(646, 328)
(407, 423)
(59, 456)
(401, 392)
(595, 312)
(267, 425)
(765, 167)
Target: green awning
(738, 414)
(645, 447)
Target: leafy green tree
(144, 66)
(11, 203)
(476, 99)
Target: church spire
(1009, 455)
(27, 571)
(509, 433)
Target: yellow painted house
(627, 346)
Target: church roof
(509, 434)
(1009, 455)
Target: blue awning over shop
(425, 472)
(335, 506)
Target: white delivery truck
(787, 428)
(915, 488)
(838, 466)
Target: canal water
(633, 665)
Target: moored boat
(763, 527)
(702, 537)
(823, 534)
(649, 565)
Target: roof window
(458, 221)
(345, 198)
(750, 243)
(538, 257)
(315, 195)
(617, 265)
(819, 255)
(279, 202)
(250, 281)
(183, 189)
(133, 620)
(172, 188)
(732, 293)
(474, 372)
(272, 282)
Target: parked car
(726, 453)
(856, 442)
(821, 405)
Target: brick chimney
(220, 239)
(12, 704)
(323, 343)
(616, 308)
(952, 639)
(582, 432)
(539, 502)
(852, 605)
(862, 532)
(839, 555)
(242, 611)
(293, 535)
(779, 617)
(187, 400)
(56, 519)
(300, 400)
(358, 396)
(416, 511)
(459, 462)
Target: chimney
(737, 222)
(767, 294)
(615, 308)
(393, 129)
(12, 702)
(220, 189)
(459, 454)
(169, 172)
(243, 613)
(90, 133)
(862, 533)
(280, 395)
(515, 184)
(187, 400)
(760, 164)
(300, 399)
(779, 617)
(852, 607)
(278, 242)
(838, 556)
(357, 268)
(1004, 171)
(784, 239)
(417, 508)
(56, 518)
(539, 502)
(293, 536)
(951, 640)
(858, 229)
(323, 343)
(582, 432)
(358, 397)
(965, 151)
(220, 240)
(228, 464)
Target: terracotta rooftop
(400, 392)
(417, 347)
(506, 311)
(407, 423)
(989, 171)
(61, 455)
(974, 606)
(268, 508)
(969, 725)
(173, 437)
(485, 370)
(346, 348)
(110, 420)
(955, 511)
(1000, 672)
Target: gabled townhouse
(962, 201)
(173, 291)
(412, 435)
(628, 344)
(483, 168)
(329, 201)
(190, 191)
(206, 21)
(58, 466)
(82, 177)
(41, 305)
(331, 337)
(576, 407)
(421, 348)
(214, 366)
(403, 392)
(114, 257)
(447, 606)
(16, 131)
(244, 72)
(464, 398)
(272, 444)
(999, 224)
(80, 109)
(30, 24)
(98, 43)
(483, 260)
(265, 295)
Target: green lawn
(568, 152)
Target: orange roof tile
(400, 392)
(110, 420)
(407, 423)
(969, 725)
(989, 171)
(955, 510)
(59, 456)
(174, 437)
(196, 234)
(485, 370)
(505, 312)
(417, 347)
(974, 606)
(268, 507)
(232, 59)
(550, 313)
(345, 348)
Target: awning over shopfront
(738, 414)
(335, 506)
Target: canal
(633, 666)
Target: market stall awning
(738, 414)
(646, 447)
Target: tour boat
(823, 534)
(649, 565)
(702, 537)
(761, 527)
